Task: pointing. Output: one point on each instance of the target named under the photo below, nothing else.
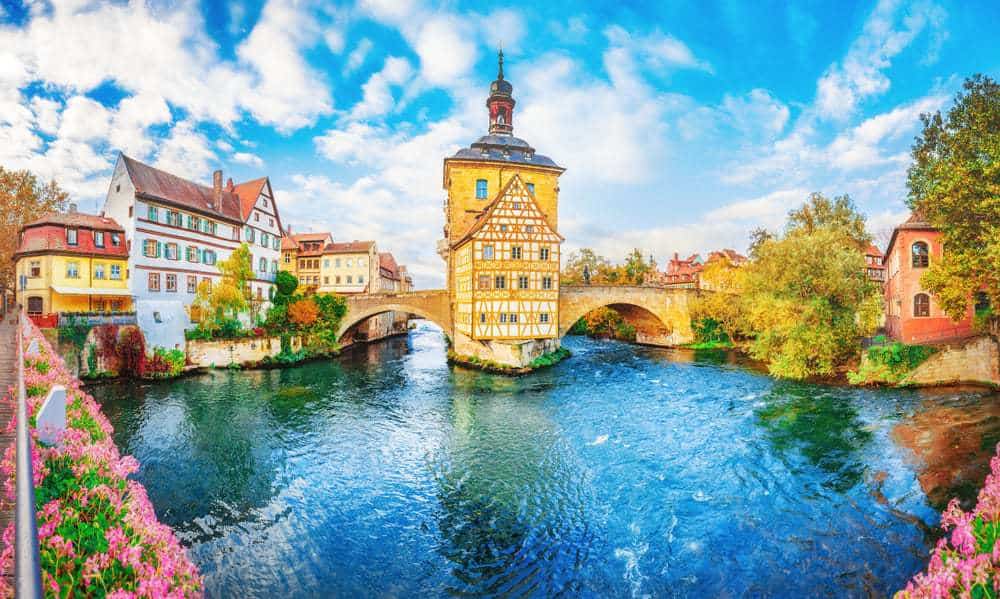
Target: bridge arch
(430, 305)
(661, 316)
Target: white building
(262, 232)
(177, 231)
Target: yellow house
(349, 267)
(501, 240)
(301, 255)
(73, 262)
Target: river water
(623, 471)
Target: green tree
(954, 182)
(233, 291)
(757, 238)
(807, 302)
(598, 266)
(820, 212)
(285, 284)
(636, 267)
(23, 198)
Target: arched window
(262, 265)
(921, 255)
(34, 305)
(921, 305)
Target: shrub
(97, 532)
(303, 312)
(165, 363)
(230, 328)
(132, 352)
(889, 362)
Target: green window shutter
(187, 221)
(159, 249)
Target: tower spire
(500, 62)
(501, 101)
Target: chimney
(72, 207)
(217, 189)
(229, 184)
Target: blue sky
(682, 125)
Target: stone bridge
(432, 305)
(660, 316)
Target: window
(99, 305)
(260, 293)
(361, 262)
(487, 252)
(151, 213)
(982, 302)
(192, 283)
(543, 317)
(172, 251)
(276, 243)
(248, 232)
(98, 271)
(270, 222)
(99, 238)
(515, 252)
(531, 188)
(482, 317)
(256, 217)
(265, 202)
(361, 279)
(500, 282)
(264, 241)
(503, 228)
(35, 305)
(503, 317)
(481, 189)
(921, 305)
(517, 205)
(522, 282)
(546, 282)
(208, 257)
(192, 254)
(326, 280)
(529, 228)
(274, 267)
(337, 280)
(350, 279)
(154, 281)
(348, 263)
(36, 269)
(116, 305)
(513, 316)
(116, 239)
(150, 248)
(194, 223)
(171, 282)
(288, 258)
(543, 254)
(116, 272)
(71, 235)
(326, 263)
(921, 255)
(262, 265)
(72, 270)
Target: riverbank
(97, 530)
(546, 360)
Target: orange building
(912, 314)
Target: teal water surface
(624, 471)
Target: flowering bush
(98, 535)
(965, 562)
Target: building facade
(501, 240)
(685, 273)
(302, 256)
(349, 267)
(72, 262)
(912, 315)
(875, 265)
(262, 233)
(177, 231)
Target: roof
(77, 219)
(294, 242)
(916, 222)
(48, 234)
(155, 184)
(349, 247)
(504, 148)
(248, 193)
(873, 251)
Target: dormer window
(99, 238)
(71, 236)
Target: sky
(682, 125)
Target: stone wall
(973, 361)
(235, 351)
(517, 354)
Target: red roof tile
(348, 247)
(152, 183)
(48, 234)
(248, 193)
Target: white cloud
(248, 158)
(890, 28)
(357, 56)
(658, 50)
(46, 114)
(334, 39)
(377, 95)
(445, 54)
(186, 152)
(756, 113)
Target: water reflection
(952, 442)
(801, 420)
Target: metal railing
(27, 566)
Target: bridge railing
(27, 565)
